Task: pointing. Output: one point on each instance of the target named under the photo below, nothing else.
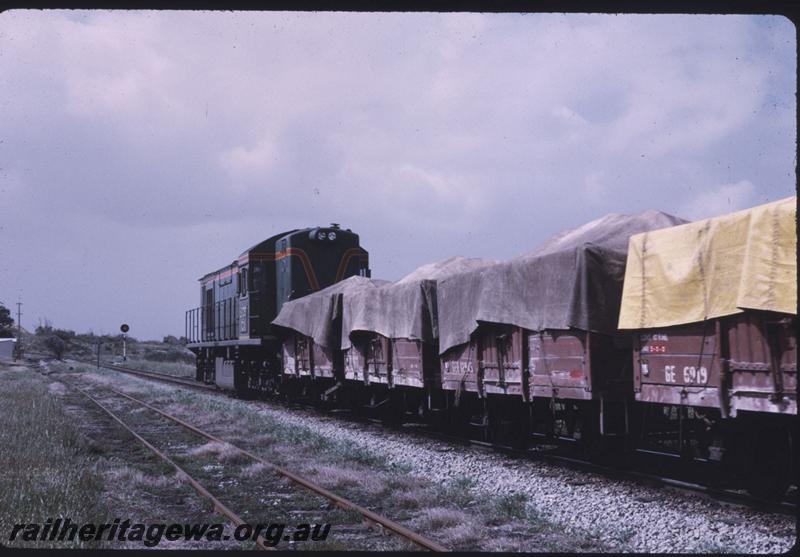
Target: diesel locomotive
(231, 332)
(639, 332)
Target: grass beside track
(47, 468)
(454, 514)
(178, 369)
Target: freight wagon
(712, 308)
(530, 345)
(631, 332)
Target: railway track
(154, 375)
(220, 507)
(177, 380)
(622, 473)
(378, 522)
(613, 471)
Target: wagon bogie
(567, 420)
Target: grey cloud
(189, 136)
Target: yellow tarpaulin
(712, 268)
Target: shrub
(56, 345)
(172, 354)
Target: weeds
(513, 505)
(47, 472)
(459, 491)
(455, 513)
(178, 369)
(440, 517)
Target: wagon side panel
(459, 367)
(408, 362)
(557, 364)
(501, 368)
(762, 362)
(678, 365)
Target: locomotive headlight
(331, 236)
(321, 235)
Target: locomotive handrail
(219, 321)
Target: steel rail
(185, 381)
(198, 487)
(728, 496)
(623, 473)
(337, 499)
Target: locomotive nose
(323, 234)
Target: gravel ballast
(644, 519)
(620, 513)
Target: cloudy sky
(140, 150)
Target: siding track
(380, 523)
(611, 471)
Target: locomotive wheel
(770, 473)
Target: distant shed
(7, 349)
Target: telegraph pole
(18, 347)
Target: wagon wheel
(770, 473)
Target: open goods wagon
(390, 338)
(711, 306)
(530, 345)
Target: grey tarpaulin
(314, 315)
(405, 308)
(574, 279)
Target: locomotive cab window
(243, 283)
